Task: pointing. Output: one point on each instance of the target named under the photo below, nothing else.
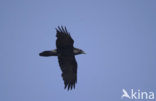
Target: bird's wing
(68, 66)
(66, 58)
(64, 40)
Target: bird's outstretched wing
(64, 40)
(66, 58)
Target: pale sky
(119, 37)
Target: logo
(137, 94)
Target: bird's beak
(83, 52)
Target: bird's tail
(48, 53)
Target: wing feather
(66, 58)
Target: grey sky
(119, 37)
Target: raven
(65, 51)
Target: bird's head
(78, 51)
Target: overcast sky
(119, 37)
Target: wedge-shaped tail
(48, 53)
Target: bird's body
(66, 56)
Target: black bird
(65, 51)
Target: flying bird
(65, 51)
